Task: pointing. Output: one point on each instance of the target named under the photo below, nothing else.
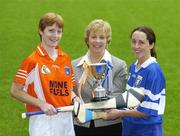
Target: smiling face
(141, 46)
(51, 35)
(97, 42)
(97, 37)
(50, 29)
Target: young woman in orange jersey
(45, 81)
(97, 38)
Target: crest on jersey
(45, 69)
(138, 81)
(67, 70)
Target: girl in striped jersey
(146, 74)
(45, 81)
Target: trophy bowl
(98, 71)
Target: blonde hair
(94, 26)
(49, 19)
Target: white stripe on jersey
(21, 76)
(149, 94)
(23, 71)
(152, 96)
(159, 107)
(73, 80)
(29, 80)
(40, 50)
(149, 105)
(33, 76)
(37, 85)
(162, 103)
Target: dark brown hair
(151, 37)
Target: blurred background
(19, 37)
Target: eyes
(54, 31)
(137, 42)
(98, 37)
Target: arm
(130, 98)
(115, 113)
(18, 93)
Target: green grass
(19, 37)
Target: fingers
(48, 109)
(99, 115)
(112, 114)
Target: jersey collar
(147, 62)
(42, 51)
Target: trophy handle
(82, 80)
(79, 91)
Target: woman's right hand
(48, 109)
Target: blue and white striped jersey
(150, 78)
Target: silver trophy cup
(98, 71)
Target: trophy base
(96, 99)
